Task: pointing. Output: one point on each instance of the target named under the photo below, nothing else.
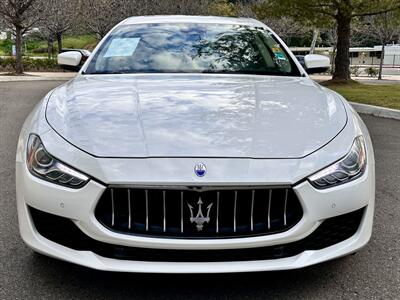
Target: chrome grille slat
(112, 208)
(217, 218)
(253, 192)
(234, 212)
(164, 214)
(269, 208)
(129, 210)
(196, 213)
(181, 211)
(147, 209)
(284, 207)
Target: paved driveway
(374, 272)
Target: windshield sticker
(278, 52)
(122, 47)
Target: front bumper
(79, 205)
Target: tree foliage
(385, 28)
(58, 17)
(319, 12)
(224, 8)
(99, 16)
(19, 16)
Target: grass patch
(78, 42)
(379, 95)
(72, 42)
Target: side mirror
(315, 63)
(70, 58)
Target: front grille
(64, 232)
(199, 212)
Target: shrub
(329, 71)
(372, 72)
(40, 50)
(355, 71)
(5, 47)
(8, 64)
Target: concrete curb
(376, 111)
(38, 76)
(19, 79)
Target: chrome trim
(164, 214)
(129, 210)
(217, 218)
(269, 209)
(234, 213)
(112, 208)
(253, 192)
(147, 209)
(199, 188)
(181, 211)
(284, 209)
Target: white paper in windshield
(122, 47)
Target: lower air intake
(64, 232)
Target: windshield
(191, 48)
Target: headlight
(41, 164)
(348, 168)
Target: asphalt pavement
(374, 272)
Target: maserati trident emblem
(200, 169)
(200, 219)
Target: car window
(191, 48)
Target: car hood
(195, 115)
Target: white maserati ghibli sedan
(194, 145)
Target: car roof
(192, 19)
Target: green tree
(223, 8)
(318, 12)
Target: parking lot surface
(374, 272)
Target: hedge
(32, 65)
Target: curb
(376, 111)
(20, 79)
(36, 76)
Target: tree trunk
(314, 40)
(18, 47)
(333, 59)
(381, 63)
(342, 60)
(50, 41)
(59, 41)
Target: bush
(329, 71)
(372, 72)
(40, 50)
(8, 64)
(6, 47)
(355, 71)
